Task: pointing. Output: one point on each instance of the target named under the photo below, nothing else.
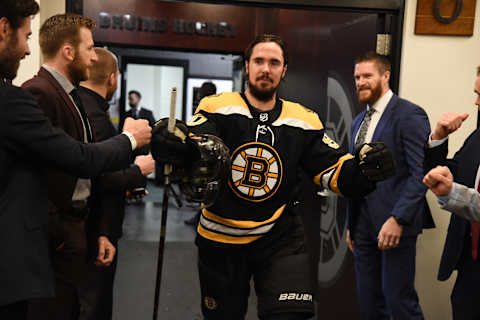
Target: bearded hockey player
(250, 229)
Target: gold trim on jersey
(296, 115)
(226, 103)
(333, 184)
(217, 228)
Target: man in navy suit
(383, 226)
(461, 246)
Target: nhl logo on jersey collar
(263, 117)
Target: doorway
(323, 37)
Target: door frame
(125, 60)
(394, 8)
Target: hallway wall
(30, 65)
(437, 72)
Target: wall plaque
(445, 17)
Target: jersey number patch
(256, 171)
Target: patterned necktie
(475, 235)
(362, 133)
(79, 104)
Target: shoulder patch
(197, 119)
(330, 142)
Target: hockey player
(251, 229)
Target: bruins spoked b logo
(256, 171)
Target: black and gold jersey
(267, 148)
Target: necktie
(475, 235)
(362, 133)
(79, 104)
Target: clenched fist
(140, 130)
(449, 122)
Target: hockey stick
(163, 225)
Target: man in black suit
(28, 145)
(67, 47)
(461, 246)
(136, 110)
(108, 198)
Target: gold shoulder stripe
(296, 115)
(225, 103)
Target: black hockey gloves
(175, 148)
(375, 161)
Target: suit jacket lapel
(387, 114)
(356, 126)
(43, 73)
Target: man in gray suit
(28, 145)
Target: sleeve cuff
(442, 200)
(130, 136)
(435, 143)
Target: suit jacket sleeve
(27, 126)
(436, 156)
(415, 129)
(464, 202)
(122, 180)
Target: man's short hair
(267, 38)
(136, 93)
(207, 89)
(102, 68)
(382, 62)
(16, 11)
(60, 29)
(478, 71)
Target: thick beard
(260, 94)
(77, 71)
(10, 59)
(376, 92)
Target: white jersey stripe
(213, 226)
(292, 122)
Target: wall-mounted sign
(175, 24)
(442, 17)
(130, 22)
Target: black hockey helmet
(204, 178)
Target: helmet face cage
(206, 176)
